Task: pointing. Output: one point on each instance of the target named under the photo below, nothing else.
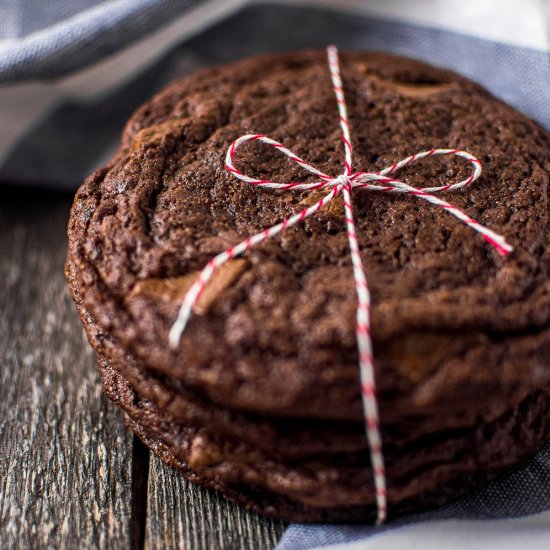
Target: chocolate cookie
(305, 471)
(338, 487)
(269, 361)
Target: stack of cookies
(261, 399)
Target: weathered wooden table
(71, 475)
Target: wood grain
(71, 475)
(65, 457)
(181, 515)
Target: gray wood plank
(66, 461)
(71, 475)
(181, 515)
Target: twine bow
(371, 181)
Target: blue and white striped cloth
(72, 71)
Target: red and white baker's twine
(343, 183)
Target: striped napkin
(72, 71)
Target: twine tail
(366, 364)
(215, 263)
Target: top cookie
(456, 328)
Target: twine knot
(343, 180)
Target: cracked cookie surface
(280, 338)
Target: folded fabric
(55, 131)
(511, 513)
(46, 39)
